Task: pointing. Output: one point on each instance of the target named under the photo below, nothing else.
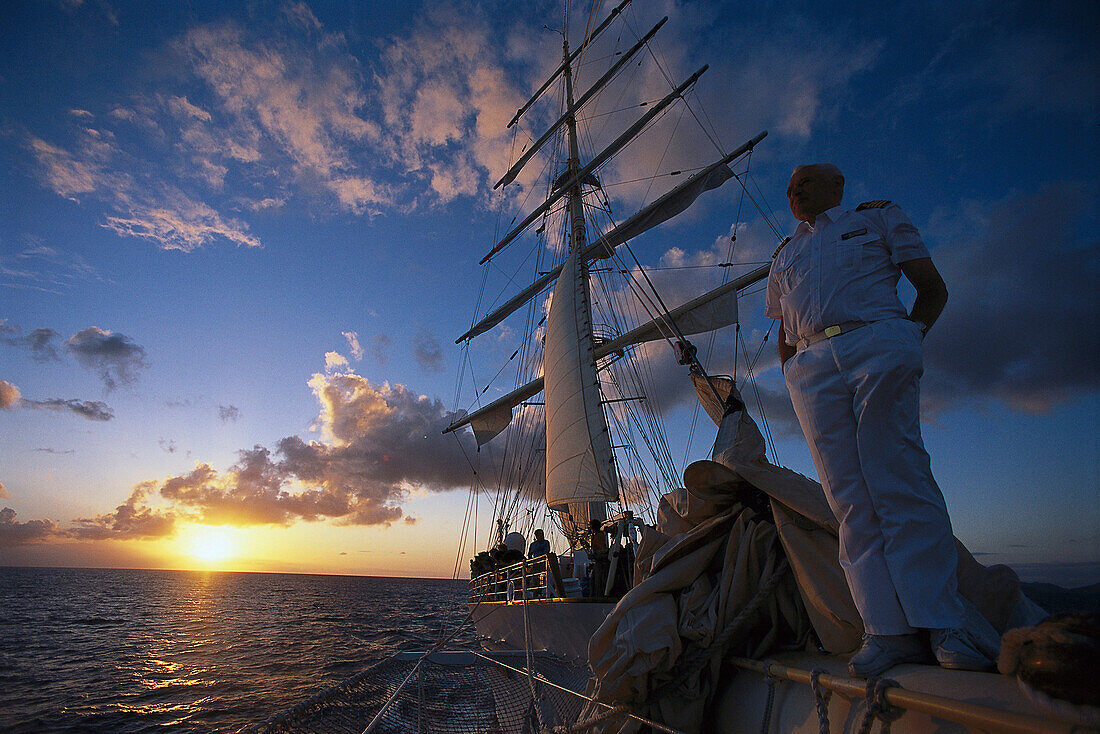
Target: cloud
(380, 346)
(446, 101)
(178, 222)
(1020, 326)
(298, 97)
(48, 269)
(283, 109)
(116, 357)
(335, 361)
(41, 343)
(13, 532)
(353, 344)
(130, 521)
(3, 491)
(228, 413)
(67, 174)
(427, 352)
(168, 445)
(9, 395)
(142, 202)
(93, 410)
(380, 443)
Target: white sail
(491, 423)
(578, 448)
(712, 310)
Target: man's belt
(829, 333)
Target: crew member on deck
(540, 546)
(852, 360)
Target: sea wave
(129, 651)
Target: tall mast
(577, 234)
(580, 471)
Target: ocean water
(126, 651)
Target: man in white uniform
(852, 360)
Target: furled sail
(578, 447)
(583, 174)
(667, 206)
(510, 176)
(591, 37)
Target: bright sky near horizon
(237, 241)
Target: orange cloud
(9, 394)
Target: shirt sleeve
(901, 237)
(772, 308)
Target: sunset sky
(238, 240)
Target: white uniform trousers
(857, 397)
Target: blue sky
(201, 202)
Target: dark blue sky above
(224, 192)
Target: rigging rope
(821, 700)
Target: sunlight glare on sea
(127, 651)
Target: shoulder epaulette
(876, 204)
(781, 246)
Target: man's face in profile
(812, 191)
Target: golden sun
(212, 544)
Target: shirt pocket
(852, 248)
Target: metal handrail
(532, 574)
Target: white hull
(559, 626)
(934, 699)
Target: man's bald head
(814, 188)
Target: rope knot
(878, 707)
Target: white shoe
(954, 649)
(879, 653)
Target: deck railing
(531, 578)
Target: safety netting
(450, 691)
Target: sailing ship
(572, 605)
(690, 596)
(584, 369)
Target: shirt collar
(829, 215)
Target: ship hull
(559, 626)
(951, 701)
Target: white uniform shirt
(844, 268)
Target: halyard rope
(766, 724)
(821, 700)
